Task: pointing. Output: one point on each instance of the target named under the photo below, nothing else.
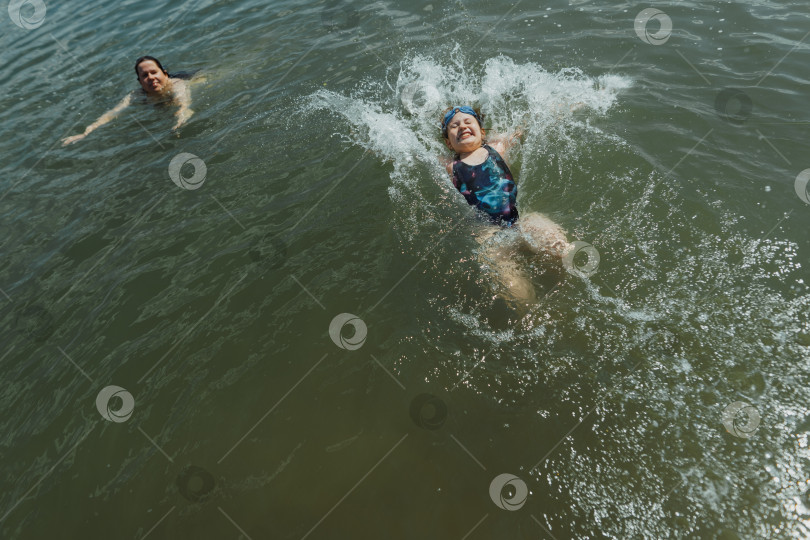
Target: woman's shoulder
(180, 87)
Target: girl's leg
(543, 236)
(498, 252)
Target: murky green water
(663, 395)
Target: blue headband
(452, 112)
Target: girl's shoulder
(496, 148)
(476, 158)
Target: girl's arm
(503, 143)
(447, 163)
(103, 119)
(183, 97)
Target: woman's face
(463, 133)
(153, 79)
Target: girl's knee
(543, 235)
(538, 221)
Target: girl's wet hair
(477, 110)
(153, 59)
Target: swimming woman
(480, 173)
(155, 83)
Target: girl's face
(153, 80)
(464, 134)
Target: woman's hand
(182, 116)
(73, 138)
(103, 119)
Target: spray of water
(685, 314)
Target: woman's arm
(103, 119)
(183, 96)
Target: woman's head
(462, 128)
(153, 78)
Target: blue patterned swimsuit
(489, 187)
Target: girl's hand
(502, 144)
(515, 137)
(72, 139)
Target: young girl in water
(480, 173)
(155, 82)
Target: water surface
(664, 395)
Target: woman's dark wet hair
(153, 59)
(477, 110)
